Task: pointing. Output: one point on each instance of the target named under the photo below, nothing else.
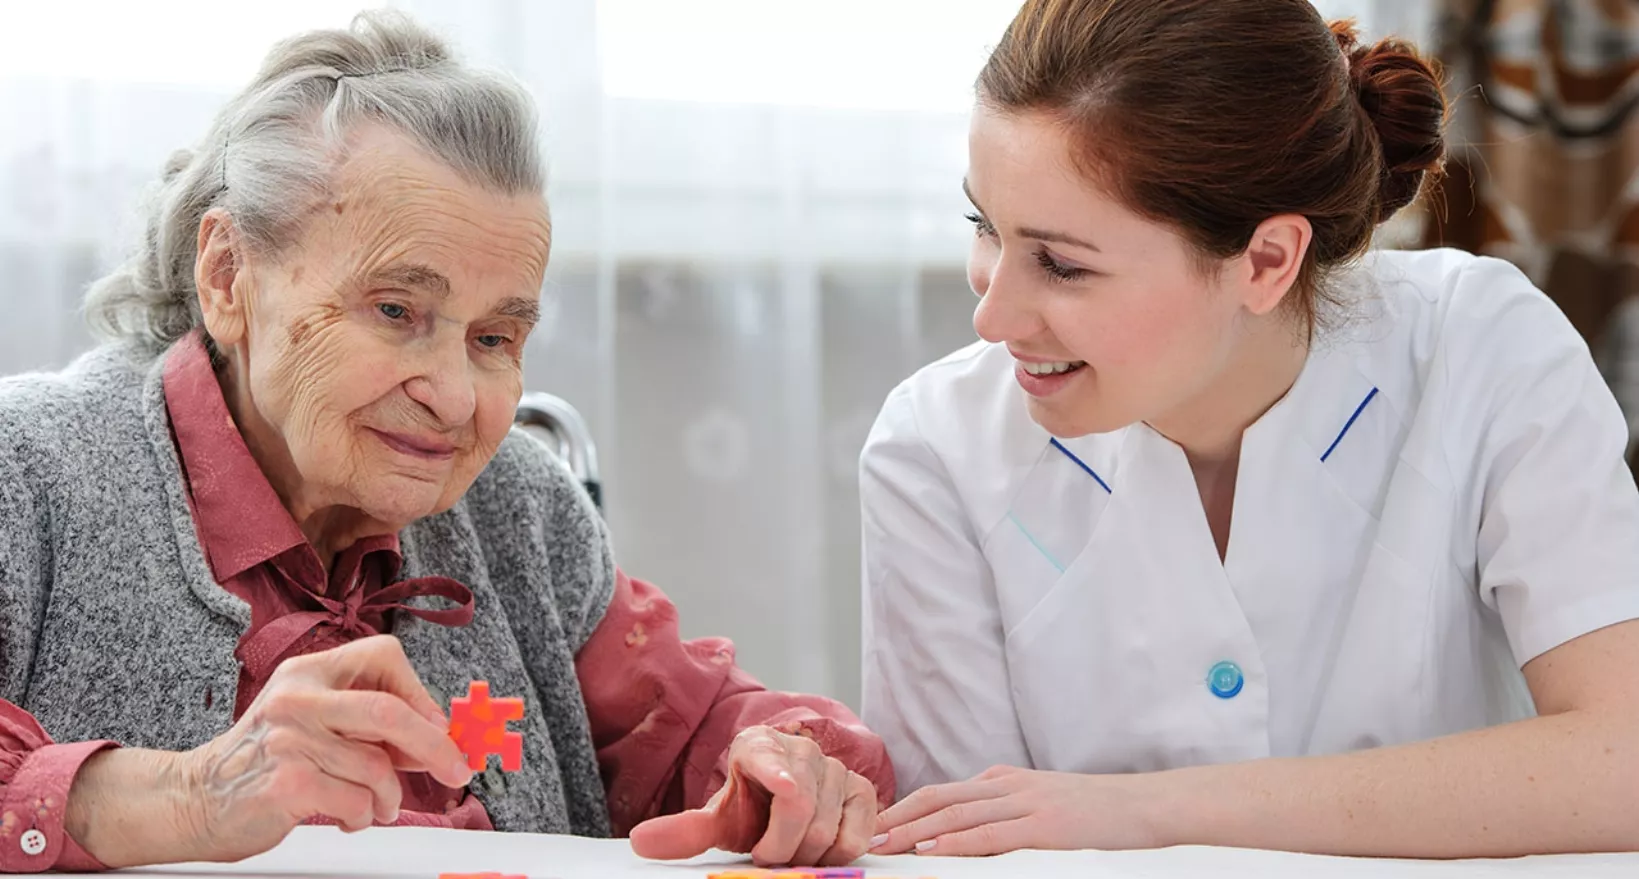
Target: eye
(981, 226)
(1056, 270)
(491, 340)
(393, 311)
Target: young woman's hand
(1006, 809)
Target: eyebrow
(429, 280)
(521, 309)
(414, 276)
(1038, 234)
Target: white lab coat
(1438, 499)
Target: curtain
(1546, 173)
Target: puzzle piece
(793, 873)
(478, 726)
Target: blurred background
(759, 230)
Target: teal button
(1225, 680)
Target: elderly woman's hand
(785, 802)
(323, 738)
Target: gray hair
(270, 155)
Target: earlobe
(1275, 259)
(216, 270)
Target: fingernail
(878, 840)
(925, 845)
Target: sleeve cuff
(33, 807)
(1533, 637)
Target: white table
(423, 854)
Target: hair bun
(1400, 92)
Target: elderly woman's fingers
(366, 766)
(318, 741)
(384, 719)
(760, 756)
(858, 823)
(367, 691)
(312, 792)
(292, 758)
(677, 836)
(379, 663)
(822, 829)
(788, 818)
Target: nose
(1006, 312)
(445, 384)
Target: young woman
(1228, 532)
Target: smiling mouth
(416, 447)
(1054, 368)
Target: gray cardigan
(112, 626)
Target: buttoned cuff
(33, 807)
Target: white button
(33, 842)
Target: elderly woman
(260, 538)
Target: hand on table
(326, 736)
(1005, 809)
(785, 802)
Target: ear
(216, 269)
(1273, 260)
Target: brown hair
(1215, 115)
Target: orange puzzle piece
(478, 726)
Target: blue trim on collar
(1082, 464)
(1034, 542)
(1345, 431)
